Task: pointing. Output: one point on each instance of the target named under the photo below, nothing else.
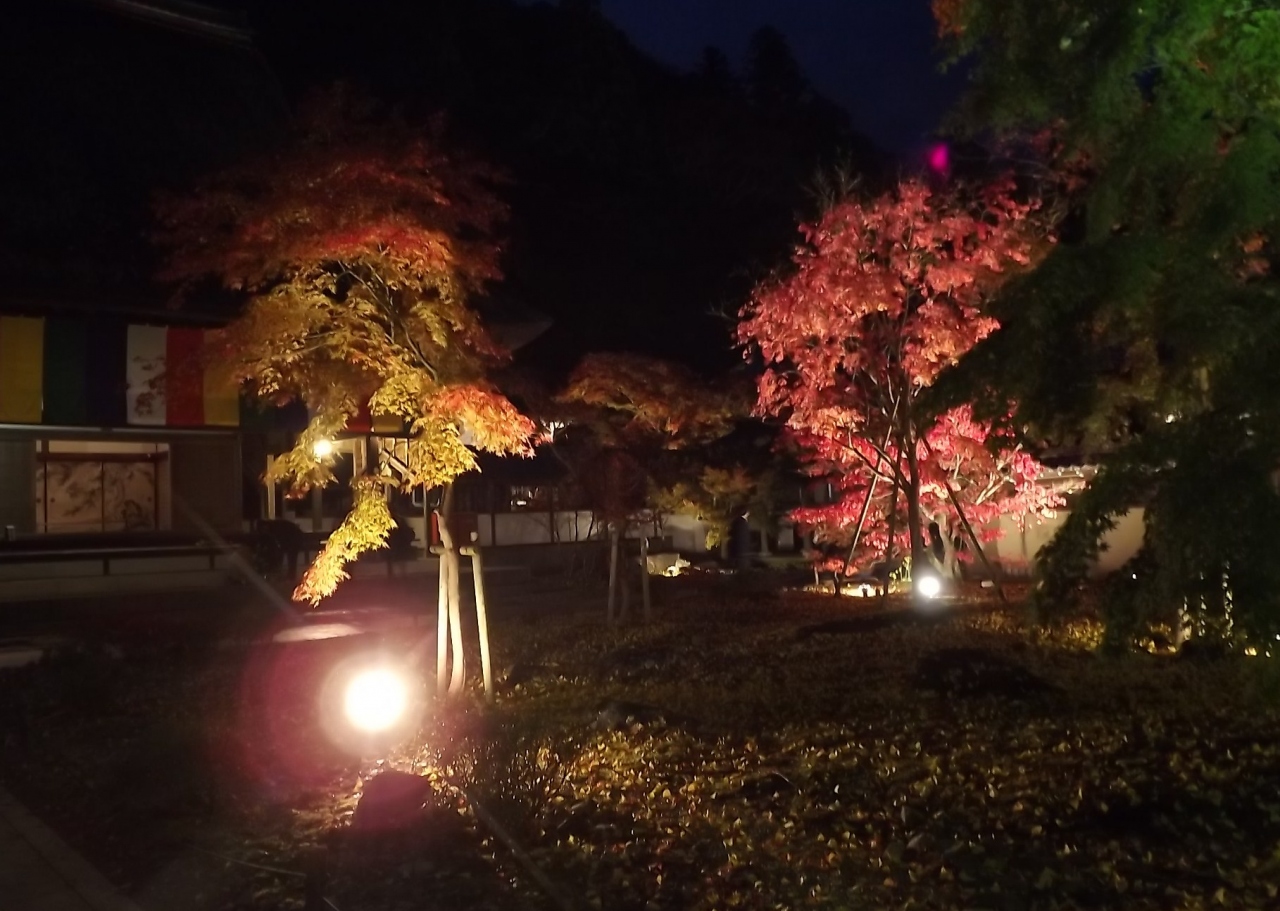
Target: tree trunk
(442, 617)
(973, 536)
(919, 555)
(950, 557)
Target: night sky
(876, 58)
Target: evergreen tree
(715, 71)
(773, 75)
(1151, 335)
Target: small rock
(523, 672)
(618, 714)
(1205, 650)
(391, 800)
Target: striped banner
(103, 373)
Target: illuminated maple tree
(637, 410)
(358, 244)
(885, 295)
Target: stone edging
(79, 876)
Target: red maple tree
(885, 295)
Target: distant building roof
(107, 101)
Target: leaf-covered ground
(757, 752)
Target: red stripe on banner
(184, 377)
(362, 421)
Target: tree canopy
(358, 245)
(1149, 338)
(884, 295)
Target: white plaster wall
(1016, 549)
(687, 533)
(534, 527)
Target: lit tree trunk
(949, 565)
(919, 556)
(973, 535)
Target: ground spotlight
(376, 700)
(928, 586)
(371, 701)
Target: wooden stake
(888, 548)
(451, 572)
(644, 578)
(459, 677)
(482, 617)
(624, 579)
(613, 571)
(442, 624)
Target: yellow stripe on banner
(21, 369)
(221, 395)
(388, 423)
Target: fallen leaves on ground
(785, 771)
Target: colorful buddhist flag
(101, 372)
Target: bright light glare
(376, 700)
(322, 449)
(929, 586)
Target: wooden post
(482, 617)
(450, 630)
(458, 678)
(644, 578)
(442, 624)
(857, 533)
(613, 571)
(624, 578)
(888, 550)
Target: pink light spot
(940, 158)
